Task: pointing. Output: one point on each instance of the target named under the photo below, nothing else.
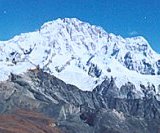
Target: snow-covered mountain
(83, 55)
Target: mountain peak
(81, 54)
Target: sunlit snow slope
(81, 54)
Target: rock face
(106, 109)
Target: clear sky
(122, 17)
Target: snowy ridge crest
(81, 54)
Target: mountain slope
(83, 55)
(75, 110)
(27, 122)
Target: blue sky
(122, 17)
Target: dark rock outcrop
(106, 109)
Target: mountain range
(82, 76)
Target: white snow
(64, 47)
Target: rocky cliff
(100, 110)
